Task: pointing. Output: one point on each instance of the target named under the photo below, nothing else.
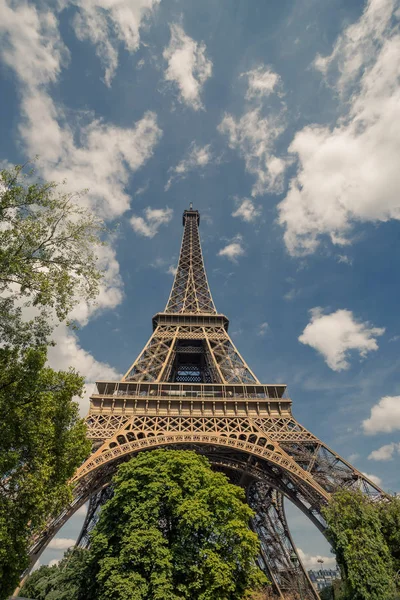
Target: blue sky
(280, 122)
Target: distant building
(323, 577)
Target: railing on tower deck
(190, 390)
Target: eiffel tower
(190, 388)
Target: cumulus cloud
(247, 210)
(110, 289)
(263, 329)
(101, 159)
(262, 81)
(233, 249)
(384, 417)
(106, 23)
(374, 478)
(198, 157)
(88, 154)
(153, 218)
(357, 46)
(165, 265)
(172, 269)
(311, 562)
(337, 334)
(31, 43)
(343, 258)
(254, 137)
(349, 173)
(68, 352)
(61, 543)
(385, 452)
(54, 562)
(188, 67)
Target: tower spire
(190, 291)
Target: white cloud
(374, 478)
(353, 457)
(263, 329)
(161, 264)
(89, 154)
(342, 258)
(262, 81)
(110, 289)
(350, 173)
(254, 137)
(311, 562)
(106, 23)
(54, 562)
(140, 191)
(101, 161)
(385, 452)
(233, 250)
(357, 46)
(385, 416)
(149, 225)
(336, 334)
(188, 66)
(198, 157)
(68, 353)
(172, 269)
(30, 43)
(61, 543)
(291, 294)
(247, 210)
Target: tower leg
(278, 551)
(95, 503)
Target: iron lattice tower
(191, 388)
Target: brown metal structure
(191, 388)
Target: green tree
(60, 582)
(389, 515)
(334, 591)
(355, 531)
(42, 441)
(173, 530)
(47, 265)
(47, 254)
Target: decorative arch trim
(269, 452)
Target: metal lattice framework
(190, 292)
(191, 388)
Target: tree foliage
(366, 547)
(389, 515)
(173, 530)
(47, 265)
(42, 441)
(47, 252)
(59, 582)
